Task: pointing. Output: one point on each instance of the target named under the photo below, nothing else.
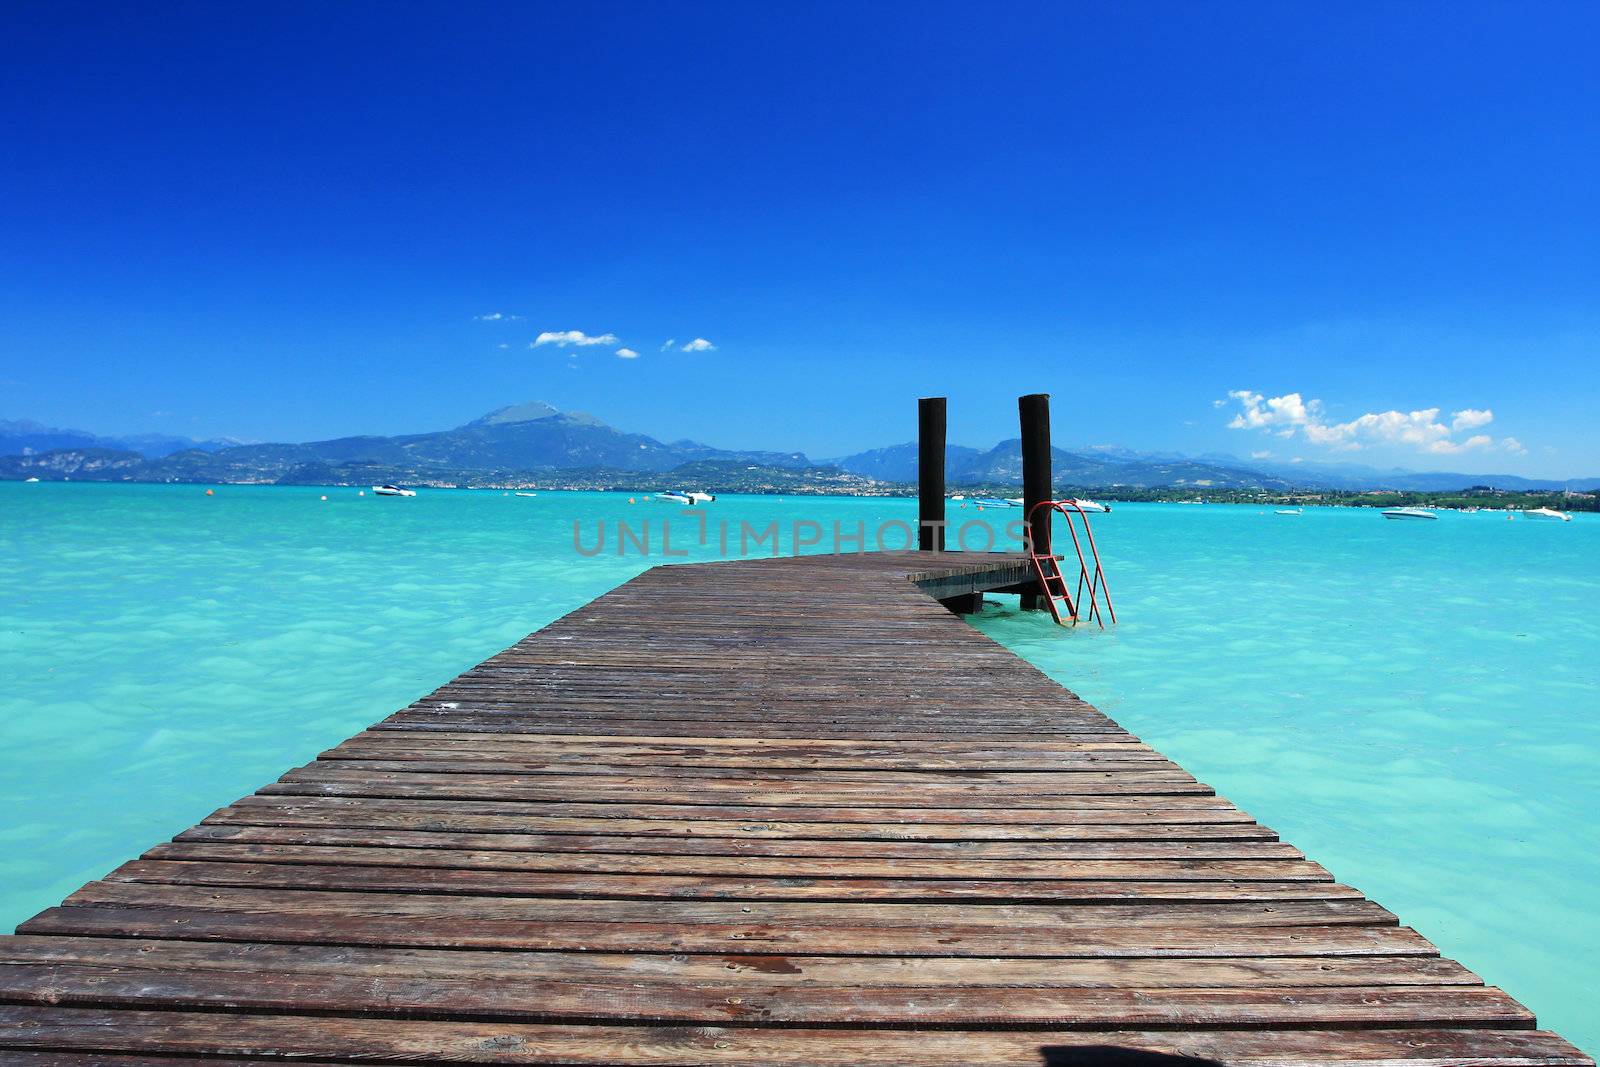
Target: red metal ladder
(1053, 583)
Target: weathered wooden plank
(777, 887)
(187, 1033)
(1184, 869)
(1143, 848)
(389, 927)
(773, 970)
(1306, 909)
(711, 745)
(576, 758)
(756, 824)
(933, 790)
(462, 787)
(1186, 808)
(757, 1003)
(601, 774)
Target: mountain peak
(526, 412)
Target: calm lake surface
(1413, 704)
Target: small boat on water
(1408, 513)
(527, 494)
(1547, 513)
(1017, 502)
(30, 479)
(393, 490)
(686, 498)
(1291, 511)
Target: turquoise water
(1411, 703)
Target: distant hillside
(19, 437)
(511, 442)
(533, 441)
(1354, 476)
(84, 464)
(1002, 465)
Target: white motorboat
(393, 490)
(527, 494)
(700, 498)
(691, 499)
(1017, 502)
(1287, 511)
(1408, 513)
(1548, 513)
(30, 479)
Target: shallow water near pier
(1413, 704)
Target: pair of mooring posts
(1034, 412)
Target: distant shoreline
(1474, 499)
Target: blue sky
(287, 221)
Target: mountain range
(535, 440)
(22, 436)
(1102, 466)
(1002, 465)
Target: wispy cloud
(699, 344)
(1291, 415)
(1267, 454)
(572, 338)
(668, 343)
(497, 316)
(627, 353)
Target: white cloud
(1481, 440)
(1291, 414)
(668, 343)
(502, 344)
(699, 344)
(1258, 412)
(497, 316)
(1261, 455)
(566, 338)
(627, 353)
(1514, 446)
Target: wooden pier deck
(785, 811)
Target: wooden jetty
(785, 811)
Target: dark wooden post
(1034, 411)
(930, 474)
